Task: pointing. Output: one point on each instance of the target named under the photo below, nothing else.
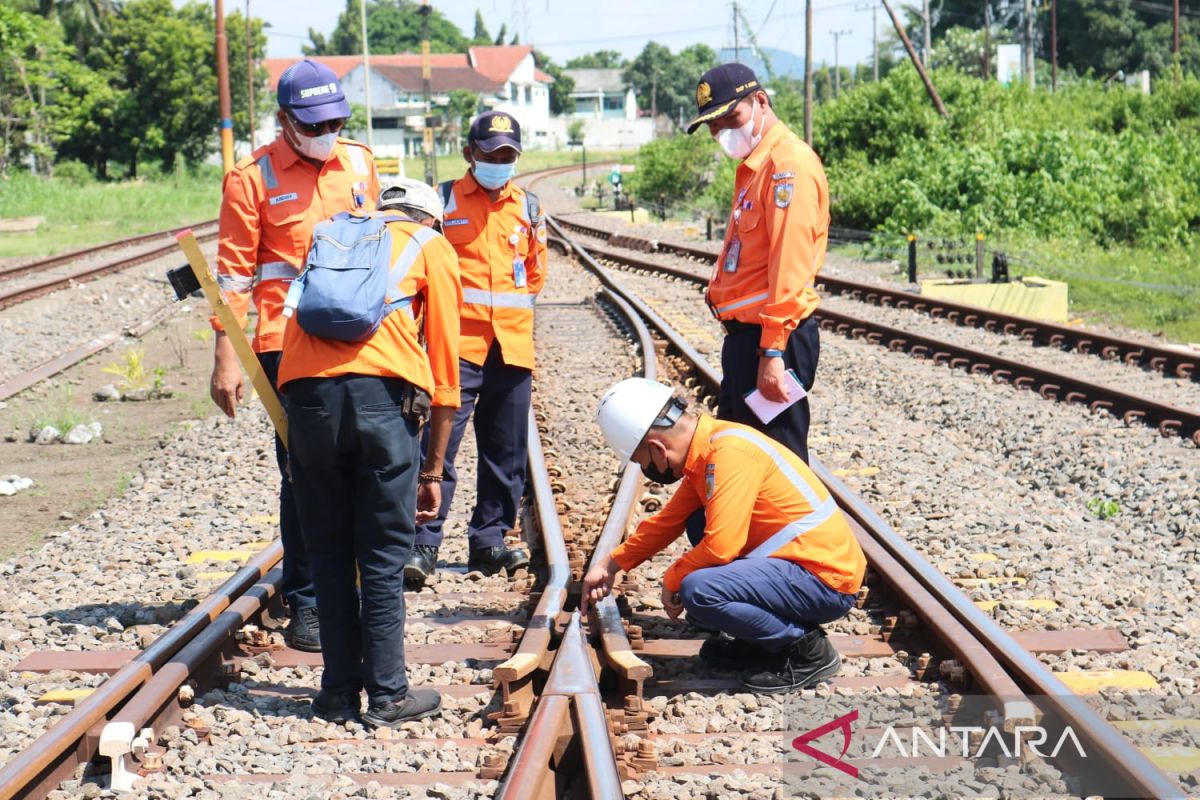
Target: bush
(74, 171)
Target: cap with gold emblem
(719, 89)
(493, 130)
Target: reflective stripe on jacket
(424, 280)
(495, 243)
(760, 501)
(269, 204)
(780, 216)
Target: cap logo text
(744, 86)
(317, 91)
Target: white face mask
(740, 142)
(318, 148)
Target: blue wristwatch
(769, 353)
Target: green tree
(463, 105)
(481, 37)
(561, 101)
(84, 22)
(601, 59)
(672, 171)
(393, 26)
(500, 36)
(667, 82)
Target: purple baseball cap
(495, 129)
(311, 91)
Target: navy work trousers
(355, 460)
(771, 602)
(297, 587)
(739, 367)
(500, 396)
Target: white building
(607, 107)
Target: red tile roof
(491, 67)
(498, 62)
(341, 65)
(442, 79)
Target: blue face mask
(493, 176)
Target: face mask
(493, 176)
(739, 142)
(664, 476)
(318, 148)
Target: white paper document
(767, 410)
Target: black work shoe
(335, 707)
(806, 663)
(304, 633)
(725, 652)
(421, 563)
(490, 560)
(417, 704)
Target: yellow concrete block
(1093, 680)
(204, 556)
(1156, 725)
(976, 583)
(1036, 604)
(983, 556)
(262, 544)
(264, 519)
(1174, 758)
(63, 696)
(215, 576)
(1038, 298)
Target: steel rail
(1176, 361)
(74, 739)
(1167, 419)
(1111, 758)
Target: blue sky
(565, 29)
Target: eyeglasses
(318, 128)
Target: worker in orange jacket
(500, 237)
(762, 283)
(777, 557)
(270, 202)
(355, 410)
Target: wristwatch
(770, 353)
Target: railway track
(1132, 408)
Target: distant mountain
(784, 63)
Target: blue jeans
(354, 463)
(771, 602)
(297, 587)
(500, 396)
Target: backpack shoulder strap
(446, 190)
(533, 209)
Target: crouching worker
(777, 558)
(358, 390)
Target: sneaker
(304, 633)
(421, 563)
(806, 663)
(490, 560)
(417, 704)
(337, 707)
(725, 652)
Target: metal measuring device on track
(198, 277)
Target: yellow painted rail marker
(241, 345)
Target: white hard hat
(413, 193)
(627, 411)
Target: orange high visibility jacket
(502, 260)
(269, 204)
(760, 500)
(427, 275)
(776, 239)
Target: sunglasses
(317, 128)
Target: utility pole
(837, 70)
(912, 54)
(1030, 78)
(362, 13)
(928, 47)
(737, 50)
(808, 79)
(250, 80)
(427, 89)
(987, 39)
(874, 8)
(223, 102)
(1054, 45)
(1175, 40)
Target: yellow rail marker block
(63, 696)
(261, 544)
(1174, 758)
(983, 556)
(1036, 604)
(215, 576)
(976, 583)
(1093, 680)
(1156, 725)
(204, 556)
(863, 472)
(264, 519)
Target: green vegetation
(1103, 507)
(81, 213)
(58, 412)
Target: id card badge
(519, 274)
(732, 254)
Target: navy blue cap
(719, 89)
(310, 90)
(495, 129)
